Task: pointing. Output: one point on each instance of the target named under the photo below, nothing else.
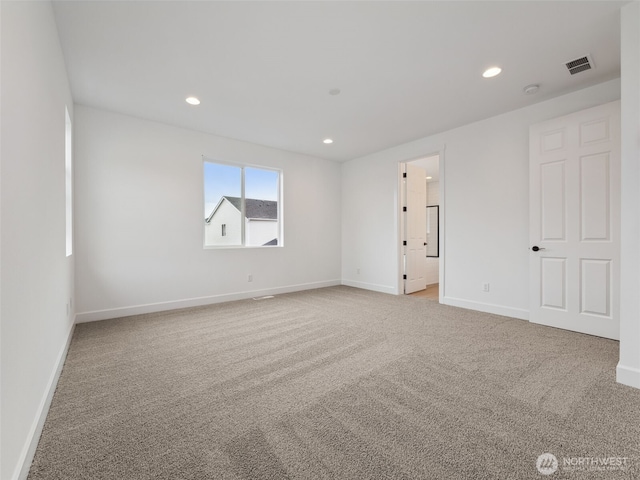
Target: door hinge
(404, 277)
(404, 209)
(404, 242)
(404, 175)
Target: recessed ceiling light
(327, 141)
(429, 178)
(192, 101)
(491, 72)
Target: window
(68, 184)
(242, 206)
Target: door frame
(441, 223)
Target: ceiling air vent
(580, 65)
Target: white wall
(260, 231)
(628, 371)
(433, 193)
(486, 198)
(139, 221)
(228, 215)
(36, 276)
(432, 274)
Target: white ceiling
(431, 167)
(263, 69)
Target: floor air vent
(580, 65)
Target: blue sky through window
(260, 184)
(220, 180)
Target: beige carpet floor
(335, 383)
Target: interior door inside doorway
(430, 211)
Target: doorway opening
(421, 227)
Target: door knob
(536, 248)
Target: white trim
(371, 286)
(106, 314)
(519, 313)
(399, 220)
(442, 228)
(628, 376)
(68, 182)
(29, 448)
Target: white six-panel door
(416, 229)
(575, 221)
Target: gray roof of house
(254, 208)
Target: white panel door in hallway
(416, 229)
(575, 221)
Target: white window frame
(68, 182)
(242, 167)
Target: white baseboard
(487, 307)
(98, 315)
(29, 449)
(370, 286)
(628, 376)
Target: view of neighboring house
(223, 226)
